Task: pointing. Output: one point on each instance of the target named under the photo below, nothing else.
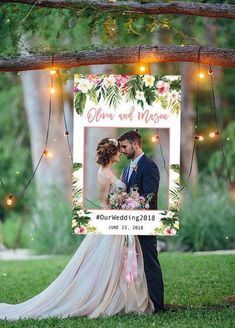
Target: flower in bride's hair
(113, 141)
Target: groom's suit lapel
(138, 170)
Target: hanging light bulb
(232, 191)
(53, 71)
(155, 138)
(47, 153)
(52, 91)
(201, 75)
(199, 137)
(210, 72)
(142, 68)
(9, 200)
(214, 134)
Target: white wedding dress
(93, 284)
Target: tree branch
(125, 55)
(174, 7)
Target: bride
(96, 282)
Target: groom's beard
(131, 154)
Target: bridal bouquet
(129, 201)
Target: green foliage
(11, 228)
(52, 232)
(216, 163)
(209, 280)
(207, 217)
(15, 164)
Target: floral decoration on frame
(80, 218)
(141, 89)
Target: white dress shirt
(133, 165)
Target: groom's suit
(146, 178)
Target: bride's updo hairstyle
(106, 149)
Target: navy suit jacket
(146, 177)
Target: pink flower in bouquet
(163, 88)
(129, 200)
(80, 230)
(135, 195)
(170, 232)
(141, 199)
(132, 205)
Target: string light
(155, 138)
(201, 75)
(214, 134)
(52, 91)
(47, 153)
(53, 72)
(210, 72)
(199, 137)
(142, 68)
(232, 191)
(9, 200)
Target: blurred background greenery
(41, 219)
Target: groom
(143, 173)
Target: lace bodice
(117, 186)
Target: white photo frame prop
(126, 101)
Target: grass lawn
(199, 282)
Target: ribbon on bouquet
(131, 260)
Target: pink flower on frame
(162, 88)
(170, 232)
(80, 230)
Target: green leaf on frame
(80, 102)
(77, 166)
(113, 97)
(175, 167)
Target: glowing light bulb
(210, 72)
(47, 153)
(142, 68)
(214, 134)
(199, 138)
(201, 75)
(155, 138)
(52, 72)
(9, 200)
(232, 191)
(52, 91)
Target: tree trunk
(56, 172)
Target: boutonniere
(135, 167)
